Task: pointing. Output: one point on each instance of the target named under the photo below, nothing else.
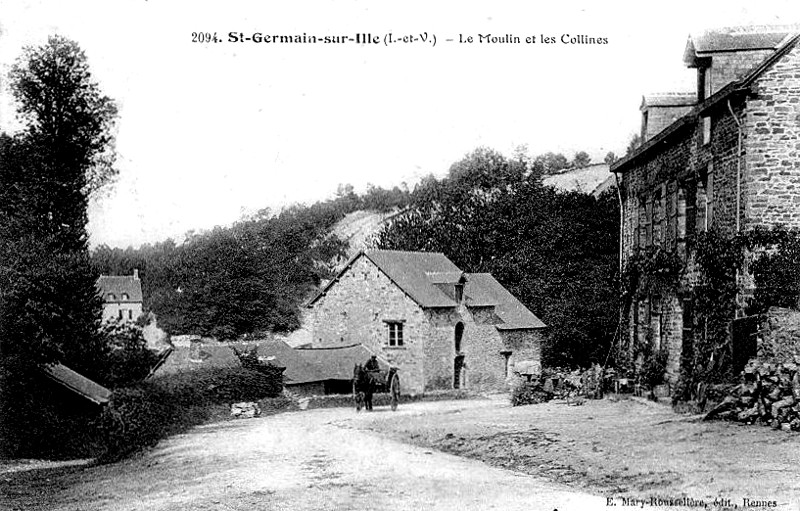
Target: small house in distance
(122, 296)
(443, 328)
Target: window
(130, 313)
(125, 296)
(111, 297)
(121, 313)
(635, 224)
(507, 356)
(395, 329)
(706, 130)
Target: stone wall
(356, 309)
(727, 67)
(525, 346)
(779, 337)
(773, 145)
(130, 311)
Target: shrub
(141, 415)
(529, 393)
(128, 360)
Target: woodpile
(769, 394)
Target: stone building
(122, 296)
(441, 327)
(724, 157)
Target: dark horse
(363, 387)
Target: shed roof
(338, 363)
(186, 358)
(298, 370)
(483, 288)
(119, 285)
(78, 383)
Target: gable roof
(119, 284)
(483, 288)
(78, 383)
(338, 363)
(415, 273)
(428, 278)
(734, 39)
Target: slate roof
(669, 99)
(338, 363)
(427, 278)
(689, 120)
(209, 355)
(483, 288)
(734, 39)
(298, 370)
(119, 284)
(78, 383)
(409, 271)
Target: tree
(49, 168)
(633, 144)
(581, 160)
(549, 163)
(610, 158)
(555, 251)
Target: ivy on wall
(711, 281)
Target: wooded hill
(556, 251)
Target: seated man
(372, 364)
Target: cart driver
(372, 364)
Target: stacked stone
(769, 394)
(245, 410)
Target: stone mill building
(443, 328)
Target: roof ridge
(301, 348)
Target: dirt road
(317, 459)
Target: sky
(210, 132)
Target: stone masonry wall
(524, 345)
(773, 145)
(720, 153)
(731, 66)
(779, 337)
(355, 310)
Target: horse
(363, 387)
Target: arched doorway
(458, 362)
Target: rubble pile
(769, 394)
(245, 410)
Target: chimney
(136, 273)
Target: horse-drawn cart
(366, 383)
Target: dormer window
(111, 297)
(125, 296)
